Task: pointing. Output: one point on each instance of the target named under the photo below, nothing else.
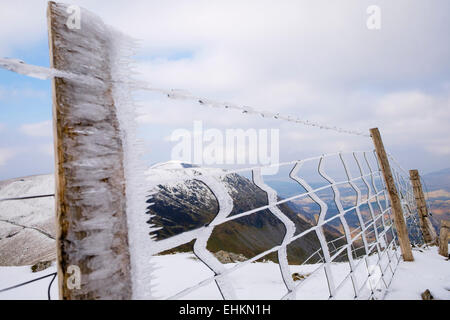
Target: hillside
(436, 186)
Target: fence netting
(339, 227)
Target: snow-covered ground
(428, 271)
(257, 280)
(10, 276)
(254, 281)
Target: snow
(428, 271)
(10, 276)
(258, 281)
(176, 173)
(173, 164)
(27, 227)
(254, 281)
(32, 211)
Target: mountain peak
(173, 164)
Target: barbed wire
(54, 274)
(43, 73)
(181, 95)
(27, 197)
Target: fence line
(409, 205)
(194, 174)
(380, 227)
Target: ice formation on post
(100, 198)
(43, 73)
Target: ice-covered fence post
(429, 234)
(443, 238)
(394, 199)
(92, 241)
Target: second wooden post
(443, 238)
(429, 234)
(394, 199)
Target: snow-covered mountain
(27, 227)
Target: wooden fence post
(394, 199)
(443, 238)
(429, 234)
(92, 241)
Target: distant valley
(437, 188)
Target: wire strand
(180, 95)
(43, 73)
(28, 282)
(28, 197)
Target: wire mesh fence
(368, 242)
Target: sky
(313, 59)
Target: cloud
(47, 149)
(27, 19)
(416, 119)
(40, 129)
(316, 60)
(316, 41)
(319, 42)
(440, 147)
(5, 155)
(8, 93)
